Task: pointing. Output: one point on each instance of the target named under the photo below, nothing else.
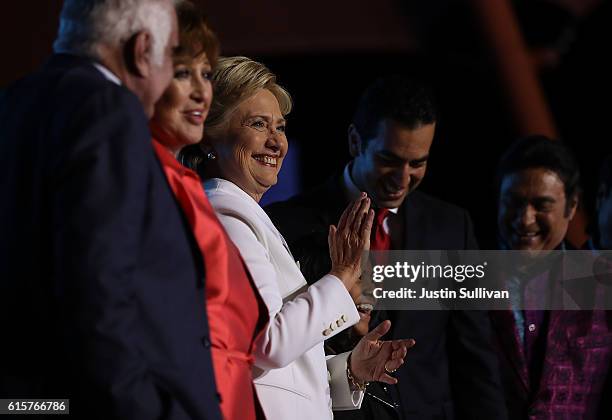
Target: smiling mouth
(195, 117)
(393, 192)
(266, 160)
(527, 236)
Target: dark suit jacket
(451, 373)
(576, 362)
(102, 288)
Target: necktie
(380, 240)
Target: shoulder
(235, 210)
(69, 79)
(78, 111)
(85, 87)
(434, 208)
(436, 224)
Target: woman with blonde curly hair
(244, 147)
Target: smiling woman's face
(251, 153)
(183, 108)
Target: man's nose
(527, 215)
(403, 175)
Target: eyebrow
(389, 155)
(266, 117)
(546, 199)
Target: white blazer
(292, 376)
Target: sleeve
(474, 369)
(98, 214)
(341, 395)
(325, 309)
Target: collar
(351, 190)
(109, 75)
(167, 159)
(223, 185)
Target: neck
(255, 197)
(111, 58)
(162, 136)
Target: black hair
(403, 100)
(537, 151)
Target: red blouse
(236, 312)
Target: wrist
(354, 382)
(347, 277)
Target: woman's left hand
(373, 359)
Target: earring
(211, 156)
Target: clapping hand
(373, 359)
(350, 239)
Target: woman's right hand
(350, 239)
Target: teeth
(266, 159)
(197, 113)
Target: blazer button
(339, 323)
(332, 326)
(206, 342)
(344, 318)
(327, 332)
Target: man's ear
(354, 141)
(138, 52)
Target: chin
(391, 204)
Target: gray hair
(85, 24)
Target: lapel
(411, 216)
(554, 336)
(503, 321)
(560, 324)
(415, 227)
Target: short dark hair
(403, 100)
(605, 173)
(539, 151)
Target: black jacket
(101, 283)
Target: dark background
(326, 52)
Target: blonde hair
(234, 80)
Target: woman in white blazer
(244, 146)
